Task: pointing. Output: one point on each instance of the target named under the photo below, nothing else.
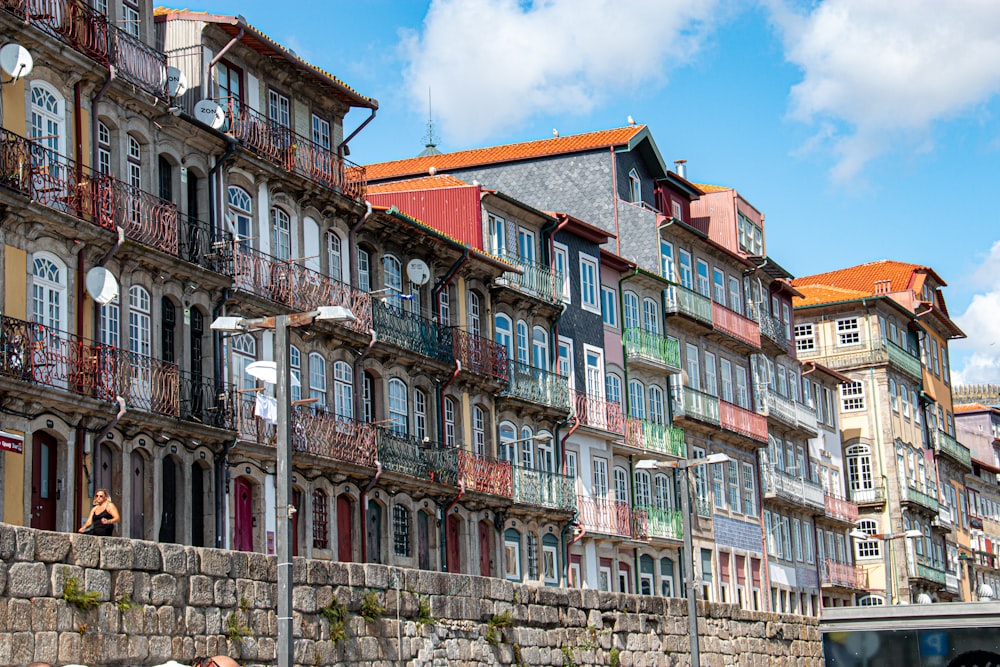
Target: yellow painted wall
(13, 484)
(15, 283)
(15, 305)
(14, 108)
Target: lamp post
(686, 520)
(284, 508)
(886, 539)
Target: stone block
(28, 580)
(163, 589)
(214, 562)
(116, 554)
(69, 648)
(317, 573)
(58, 576)
(300, 570)
(98, 581)
(51, 547)
(24, 548)
(166, 620)
(45, 615)
(339, 574)
(84, 550)
(142, 587)
(194, 621)
(8, 542)
(263, 568)
(174, 559)
(304, 599)
(200, 591)
(146, 556)
(265, 594)
(225, 594)
(213, 622)
(47, 646)
(160, 649)
(22, 648)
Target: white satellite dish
(267, 371)
(102, 286)
(210, 113)
(15, 61)
(176, 82)
(418, 272)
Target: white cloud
(981, 323)
(493, 63)
(886, 71)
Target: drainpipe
(215, 197)
(342, 146)
(220, 481)
(207, 76)
(614, 198)
(444, 281)
(766, 593)
(562, 466)
(549, 233)
(444, 524)
(94, 122)
(364, 510)
(621, 320)
(352, 242)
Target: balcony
(697, 405)
(661, 523)
(841, 575)
(198, 245)
(544, 489)
(411, 331)
(773, 330)
(925, 498)
(679, 300)
(840, 509)
(534, 385)
(598, 413)
(793, 489)
(735, 325)
(538, 281)
(788, 412)
(420, 459)
(951, 583)
(946, 444)
(605, 517)
(866, 495)
(925, 568)
(661, 438)
(742, 421)
(89, 32)
(855, 356)
(662, 352)
(485, 474)
(480, 355)
(944, 520)
(293, 152)
(295, 286)
(57, 182)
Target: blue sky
(863, 129)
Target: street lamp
(887, 538)
(692, 604)
(283, 481)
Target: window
(321, 131)
(711, 379)
(478, 429)
(852, 396)
(621, 485)
(526, 244)
(281, 234)
(726, 377)
(859, 473)
(230, 80)
(449, 425)
(631, 300)
(317, 380)
(719, 286)
(475, 314)
(47, 123)
(613, 387)
(805, 337)
(343, 389)
(636, 399)
(333, 258)
(392, 274)
(419, 414)
(110, 326)
(848, 331)
(527, 448)
(657, 413)
(503, 334)
(733, 475)
(693, 367)
(797, 539)
(600, 489)
(320, 520)
(650, 316)
(661, 488)
(134, 162)
(364, 271)
(244, 354)
(871, 601)
(684, 269)
(609, 306)
(512, 554)
(561, 265)
(751, 235)
(588, 283)
(742, 395)
(508, 452)
(130, 18)
(400, 531)
(398, 411)
(894, 396)
(735, 296)
(634, 187)
(531, 547)
(278, 108)
(540, 348)
(703, 286)
(868, 548)
(368, 398)
(667, 260)
(103, 149)
(444, 307)
(550, 562)
(564, 364)
(498, 235)
(749, 490)
(643, 492)
(718, 485)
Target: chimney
(882, 286)
(680, 166)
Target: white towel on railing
(266, 407)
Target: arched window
(475, 314)
(110, 324)
(527, 448)
(281, 234)
(613, 384)
(398, 409)
(540, 348)
(449, 422)
(47, 124)
(630, 300)
(650, 316)
(103, 149)
(240, 212)
(317, 380)
(656, 412)
(522, 342)
(364, 271)
(48, 291)
(320, 519)
(636, 399)
(643, 495)
(546, 454)
(871, 600)
(634, 187)
(621, 485)
(508, 435)
(478, 430)
(419, 414)
(392, 274)
(343, 389)
(368, 398)
(244, 354)
(860, 481)
(139, 339)
(661, 491)
(503, 333)
(295, 364)
(334, 261)
(894, 395)
(868, 548)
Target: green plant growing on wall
(518, 659)
(568, 660)
(336, 614)
(496, 624)
(424, 616)
(235, 630)
(74, 594)
(124, 603)
(616, 658)
(245, 604)
(371, 608)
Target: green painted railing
(663, 438)
(540, 281)
(915, 495)
(538, 386)
(681, 300)
(853, 356)
(953, 448)
(697, 405)
(417, 458)
(642, 344)
(663, 522)
(544, 489)
(900, 357)
(927, 570)
(411, 331)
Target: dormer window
(634, 187)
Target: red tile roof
(705, 187)
(901, 276)
(813, 295)
(506, 153)
(970, 407)
(424, 183)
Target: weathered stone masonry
(185, 601)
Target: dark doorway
(197, 505)
(138, 509)
(345, 537)
(168, 491)
(43, 481)
(374, 533)
(243, 524)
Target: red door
(485, 553)
(345, 536)
(297, 502)
(43, 481)
(138, 509)
(104, 468)
(243, 524)
(453, 559)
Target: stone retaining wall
(157, 602)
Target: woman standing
(103, 515)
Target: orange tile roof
(506, 153)
(970, 407)
(814, 295)
(425, 183)
(705, 187)
(863, 277)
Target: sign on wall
(11, 443)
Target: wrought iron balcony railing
(421, 459)
(480, 355)
(295, 286)
(926, 498)
(663, 438)
(870, 493)
(411, 331)
(541, 282)
(544, 489)
(735, 325)
(947, 444)
(88, 31)
(293, 152)
(57, 182)
(794, 489)
(855, 356)
(662, 522)
(840, 509)
(485, 474)
(679, 300)
(742, 421)
(843, 575)
(538, 386)
(772, 328)
(600, 413)
(200, 246)
(203, 402)
(606, 517)
(696, 404)
(663, 351)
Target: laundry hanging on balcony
(266, 407)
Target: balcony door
(345, 534)
(137, 509)
(43, 481)
(243, 519)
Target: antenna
(430, 147)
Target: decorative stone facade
(165, 601)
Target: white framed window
(650, 316)
(621, 485)
(526, 244)
(852, 396)
(334, 260)
(719, 286)
(797, 539)
(667, 260)
(279, 108)
(134, 162)
(321, 131)
(475, 314)
(657, 412)
(522, 342)
(110, 326)
(643, 490)
(637, 399)
(244, 354)
(600, 488)
(512, 555)
(419, 414)
(719, 486)
(540, 348)
(527, 448)
(703, 287)
(634, 187)
(398, 409)
(609, 306)
(130, 18)
(364, 271)
(560, 261)
(749, 490)
(848, 331)
(550, 558)
(711, 379)
(281, 235)
(503, 334)
(103, 149)
(868, 548)
(343, 389)
(444, 307)
(571, 466)
(693, 366)
(735, 295)
(508, 451)
(564, 362)
(498, 235)
(478, 429)
(589, 282)
(531, 544)
(449, 424)
(894, 396)
(871, 600)
(684, 265)
(317, 380)
(726, 377)
(733, 480)
(613, 388)
(805, 337)
(742, 394)
(392, 274)
(631, 303)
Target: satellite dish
(418, 272)
(210, 113)
(267, 371)
(102, 286)
(15, 61)
(176, 82)
(924, 598)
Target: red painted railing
(841, 509)
(847, 576)
(608, 517)
(485, 474)
(735, 325)
(137, 62)
(296, 286)
(293, 152)
(479, 354)
(738, 420)
(597, 412)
